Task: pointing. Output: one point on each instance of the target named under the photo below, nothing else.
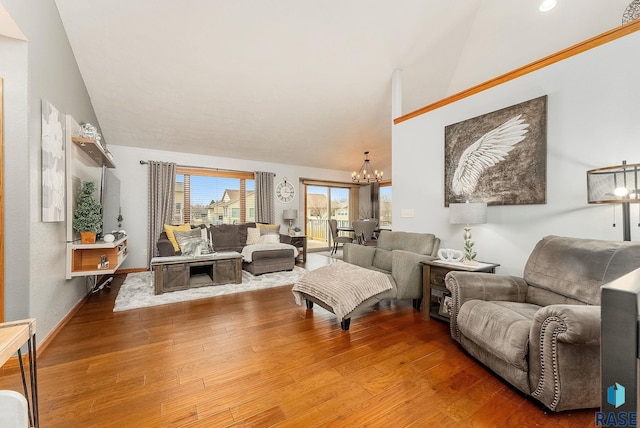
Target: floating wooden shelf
(94, 150)
(85, 258)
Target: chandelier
(366, 174)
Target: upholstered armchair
(541, 332)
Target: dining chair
(333, 226)
(364, 231)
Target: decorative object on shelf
(499, 157)
(632, 12)
(120, 218)
(616, 185)
(468, 213)
(285, 191)
(87, 217)
(108, 238)
(87, 130)
(366, 174)
(290, 215)
(53, 165)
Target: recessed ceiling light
(547, 5)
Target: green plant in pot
(87, 217)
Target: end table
(435, 294)
(300, 242)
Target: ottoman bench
(344, 289)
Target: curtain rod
(143, 162)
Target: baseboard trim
(131, 270)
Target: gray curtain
(162, 180)
(265, 205)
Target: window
(386, 191)
(204, 196)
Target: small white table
(12, 336)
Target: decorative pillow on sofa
(169, 230)
(268, 229)
(191, 242)
(269, 239)
(253, 235)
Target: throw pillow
(169, 229)
(191, 242)
(253, 235)
(269, 229)
(269, 239)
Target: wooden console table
(182, 272)
(12, 336)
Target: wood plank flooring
(257, 359)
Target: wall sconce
(615, 185)
(468, 213)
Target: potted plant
(297, 231)
(87, 217)
(469, 253)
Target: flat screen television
(110, 200)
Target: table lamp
(290, 215)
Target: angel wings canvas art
(499, 157)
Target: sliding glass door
(324, 203)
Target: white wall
(134, 187)
(593, 120)
(42, 68)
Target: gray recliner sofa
(541, 333)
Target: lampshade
(613, 184)
(290, 214)
(468, 213)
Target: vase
(88, 237)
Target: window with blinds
(208, 196)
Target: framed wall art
(53, 164)
(499, 157)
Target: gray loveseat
(397, 254)
(541, 333)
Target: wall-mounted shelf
(85, 258)
(94, 150)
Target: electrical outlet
(406, 212)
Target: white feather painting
(499, 157)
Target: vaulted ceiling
(297, 81)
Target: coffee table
(183, 272)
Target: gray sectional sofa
(233, 237)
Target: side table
(300, 242)
(12, 336)
(435, 294)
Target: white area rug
(137, 290)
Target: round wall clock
(285, 191)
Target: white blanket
(342, 286)
(248, 250)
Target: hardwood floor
(258, 359)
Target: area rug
(137, 290)
(337, 255)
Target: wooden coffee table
(183, 272)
